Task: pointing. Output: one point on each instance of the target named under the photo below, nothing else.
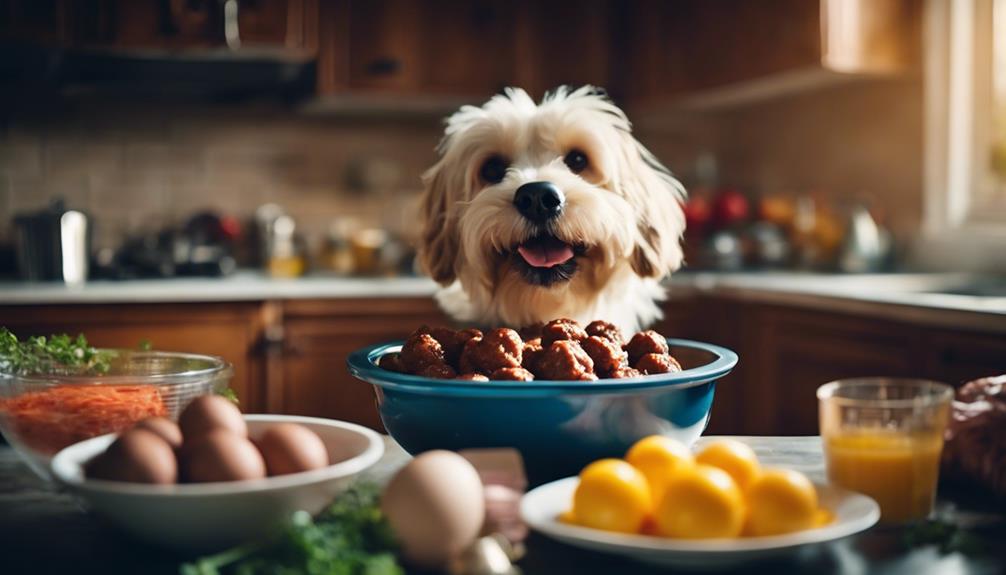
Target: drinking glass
(883, 437)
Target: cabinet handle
(384, 67)
(273, 339)
(232, 32)
(949, 356)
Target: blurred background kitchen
(240, 177)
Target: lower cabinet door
(319, 336)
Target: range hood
(212, 73)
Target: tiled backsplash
(134, 165)
(861, 140)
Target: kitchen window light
(965, 170)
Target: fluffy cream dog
(539, 211)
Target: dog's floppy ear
(438, 244)
(657, 197)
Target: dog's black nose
(539, 201)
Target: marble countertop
(242, 286)
(45, 530)
(901, 295)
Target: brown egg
(211, 412)
(220, 455)
(137, 456)
(167, 430)
(291, 448)
(435, 507)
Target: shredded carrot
(49, 420)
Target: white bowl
(212, 516)
(541, 508)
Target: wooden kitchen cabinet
(189, 24)
(309, 375)
(787, 352)
(438, 53)
(290, 356)
(565, 43)
(41, 21)
(694, 47)
(793, 351)
(712, 320)
(229, 330)
(960, 356)
(409, 47)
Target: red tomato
(730, 207)
(698, 213)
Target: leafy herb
(56, 354)
(945, 534)
(144, 345)
(228, 393)
(351, 537)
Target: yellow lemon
(732, 456)
(699, 502)
(781, 501)
(612, 495)
(659, 457)
(823, 517)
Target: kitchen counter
(243, 286)
(44, 530)
(926, 299)
(907, 297)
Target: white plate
(541, 508)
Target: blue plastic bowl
(558, 426)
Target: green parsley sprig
(946, 535)
(351, 537)
(53, 355)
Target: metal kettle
(53, 244)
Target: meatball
(607, 356)
(466, 362)
(532, 331)
(606, 330)
(625, 372)
(531, 354)
(449, 341)
(392, 362)
(462, 336)
(565, 360)
(560, 329)
(645, 342)
(420, 351)
(652, 363)
(452, 341)
(497, 349)
(472, 377)
(512, 373)
(438, 371)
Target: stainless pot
(53, 244)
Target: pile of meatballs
(561, 349)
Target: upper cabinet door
(384, 43)
(468, 46)
(437, 47)
(195, 23)
(694, 46)
(563, 42)
(40, 21)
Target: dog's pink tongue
(545, 254)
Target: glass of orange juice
(883, 437)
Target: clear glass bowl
(42, 414)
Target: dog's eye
(493, 169)
(576, 161)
